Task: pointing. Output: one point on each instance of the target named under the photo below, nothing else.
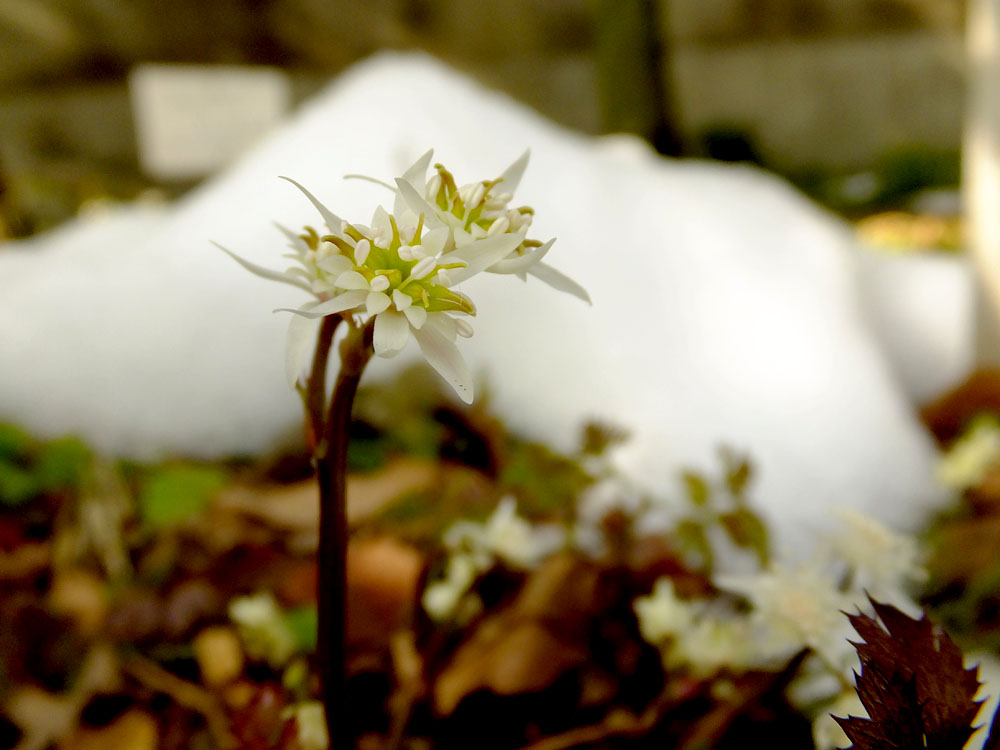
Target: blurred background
(859, 102)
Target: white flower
(884, 563)
(971, 456)
(662, 615)
(690, 634)
(310, 725)
(477, 211)
(442, 597)
(263, 628)
(475, 548)
(504, 535)
(795, 608)
(402, 267)
(715, 643)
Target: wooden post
(981, 171)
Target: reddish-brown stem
(314, 397)
(330, 459)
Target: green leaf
(62, 464)
(697, 488)
(176, 494)
(745, 529)
(738, 473)
(16, 485)
(693, 539)
(14, 442)
(304, 623)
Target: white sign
(192, 119)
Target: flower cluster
(791, 608)
(475, 547)
(402, 269)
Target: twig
(185, 693)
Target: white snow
(725, 306)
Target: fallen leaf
(134, 730)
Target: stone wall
(831, 84)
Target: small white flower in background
(475, 547)
(310, 725)
(884, 563)
(263, 628)
(690, 634)
(401, 269)
(795, 608)
(505, 536)
(663, 615)
(969, 459)
(716, 643)
(441, 598)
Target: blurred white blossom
(663, 615)
(884, 563)
(310, 725)
(475, 547)
(263, 628)
(795, 608)
(971, 456)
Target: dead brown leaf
(134, 730)
(383, 577)
(295, 507)
(526, 647)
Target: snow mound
(725, 306)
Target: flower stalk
(386, 282)
(330, 461)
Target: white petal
(416, 174)
(423, 268)
(335, 264)
(559, 281)
(376, 302)
(381, 227)
(379, 283)
(265, 273)
(499, 226)
(482, 254)
(361, 251)
(434, 240)
(415, 202)
(443, 356)
(464, 328)
(402, 300)
(351, 280)
(444, 324)
(511, 176)
(415, 315)
(334, 222)
(521, 263)
(298, 345)
(391, 334)
(340, 303)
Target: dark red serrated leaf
(913, 683)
